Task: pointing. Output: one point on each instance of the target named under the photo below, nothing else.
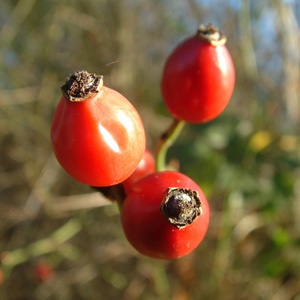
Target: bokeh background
(247, 160)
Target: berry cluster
(99, 139)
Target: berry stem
(113, 193)
(165, 142)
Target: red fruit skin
(145, 167)
(98, 141)
(43, 271)
(146, 228)
(198, 80)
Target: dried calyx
(211, 35)
(81, 86)
(181, 206)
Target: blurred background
(61, 240)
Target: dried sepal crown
(211, 34)
(181, 206)
(81, 86)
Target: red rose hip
(97, 135)
(145, 167)
(165, 215)
(198, 77)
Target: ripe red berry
(43, 271)
(97, 134)
(198, 77)
(165, 215)
(145, 167)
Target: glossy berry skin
(98, 141)
(145, 167)
(198, 80)
(148, 230)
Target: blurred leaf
(289, 143)
(284, 183)
(275, 267)
(281, 237)
(260, 141)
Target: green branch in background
(43, 246)
(165, 142)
